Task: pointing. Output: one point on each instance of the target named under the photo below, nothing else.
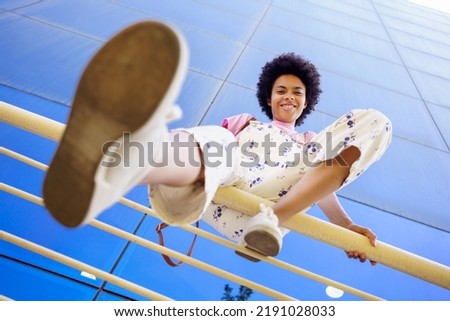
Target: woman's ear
(269, 103)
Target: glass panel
(337, 59)
(433, 89)
(441, 116)
(312, 17)
(341, 94)
(22, 282)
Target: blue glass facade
(390, 55)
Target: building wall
(390, 55)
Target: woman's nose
(289, 97)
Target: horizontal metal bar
(303, 223)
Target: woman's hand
(333, 209)
(372, 239)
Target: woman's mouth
(287, 107)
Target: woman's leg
(317, 183)
(181, 163)
(197, 162)
(262, 233)
(364, 136)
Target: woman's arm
(333, 209)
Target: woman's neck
(287, 127)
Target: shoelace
(268, 212)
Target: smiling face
(288, 98)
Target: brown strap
(168, 260)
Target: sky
(441, 5)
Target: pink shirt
(236, 123)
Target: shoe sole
(248, 257)
(119, 91)
(262, 242)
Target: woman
(117, 137)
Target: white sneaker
(129, 86)
(262, 233)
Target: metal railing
(244, 202)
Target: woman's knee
(373, 116)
